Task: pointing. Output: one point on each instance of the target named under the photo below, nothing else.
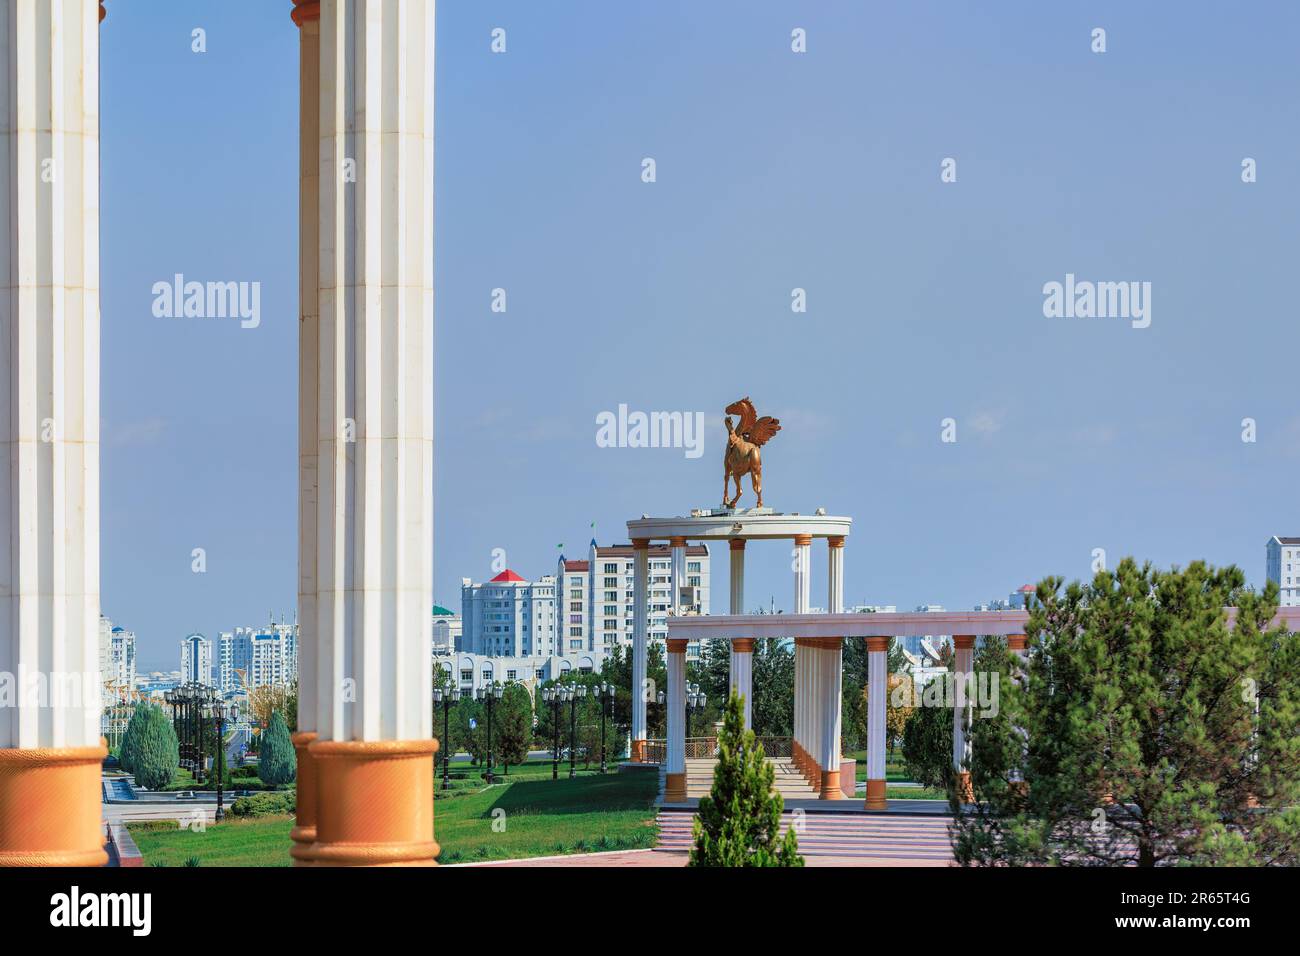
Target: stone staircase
(849, 838)
(790, 783)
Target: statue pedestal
(723, 512)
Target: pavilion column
(835, 575)
(877, 689)
(742, 649)
(965, 648)
(831, 703)
(306, 14)
(373, 758)
(50, 745)
(678, 546)
(675, 771)
(1019, 646)
(804, 663)
(742, 674)
(640, 631)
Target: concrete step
(847, 836)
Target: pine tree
(155, 752)
(739, 822)
(513, 717)
(126, 753)
(1152, 731)
(277, 763)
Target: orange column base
(876, 795)
(638, 751)
(303, 834)
(675, 788)
(374, 803)
(50, 807)
(831, 785)
(964, 790)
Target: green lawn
(531, 815)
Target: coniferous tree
(155, 752)
(513, 726)
(277, 764)
(126, 754)
(739, 822)
(1148, 730)
(772, 712)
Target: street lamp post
(553, 696)
(446, 698)
(606, 694)
(575, 694)
(695, 701)
(489, 695)
(217, 710)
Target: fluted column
(374, 516)
(675, 770)
(742, 649)
(640, 633)
(1018, 645)
(877, 691)
(804, 664)
(832, 688)
(742, 674)
(50, 744)
(306, 14)
(835, 575)
(965, 650)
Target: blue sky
(775, 170)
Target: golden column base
(675, 788)
(374, 804)
(964, 791)
(876, 795)
(50, 807)
(831, 785)
(638, 751)
(303, 834)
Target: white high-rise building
(196, 660)
(508, 616)
(1284, 568)
(116, 659)
(596, 596)
(251, 657)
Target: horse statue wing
(763, 429)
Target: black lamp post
(217, 710)
(554, 696)
(574, 694)
(489, 695)
(606, 694)
(446, 698)
(695, 701)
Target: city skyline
(924, 298)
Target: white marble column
(802, 573)
(835, 575)
(804, 664)
(678, 552)
(640, 633)
(832, 688)
(374, 515)
(307, 15)
(965, 650)
(742, 649)
(742, 674)
(877, 701)
(675, 770)
(1019, 647)
(50, 743)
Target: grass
(531, 815)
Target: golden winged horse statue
(743, 442)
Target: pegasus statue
(743, 442)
